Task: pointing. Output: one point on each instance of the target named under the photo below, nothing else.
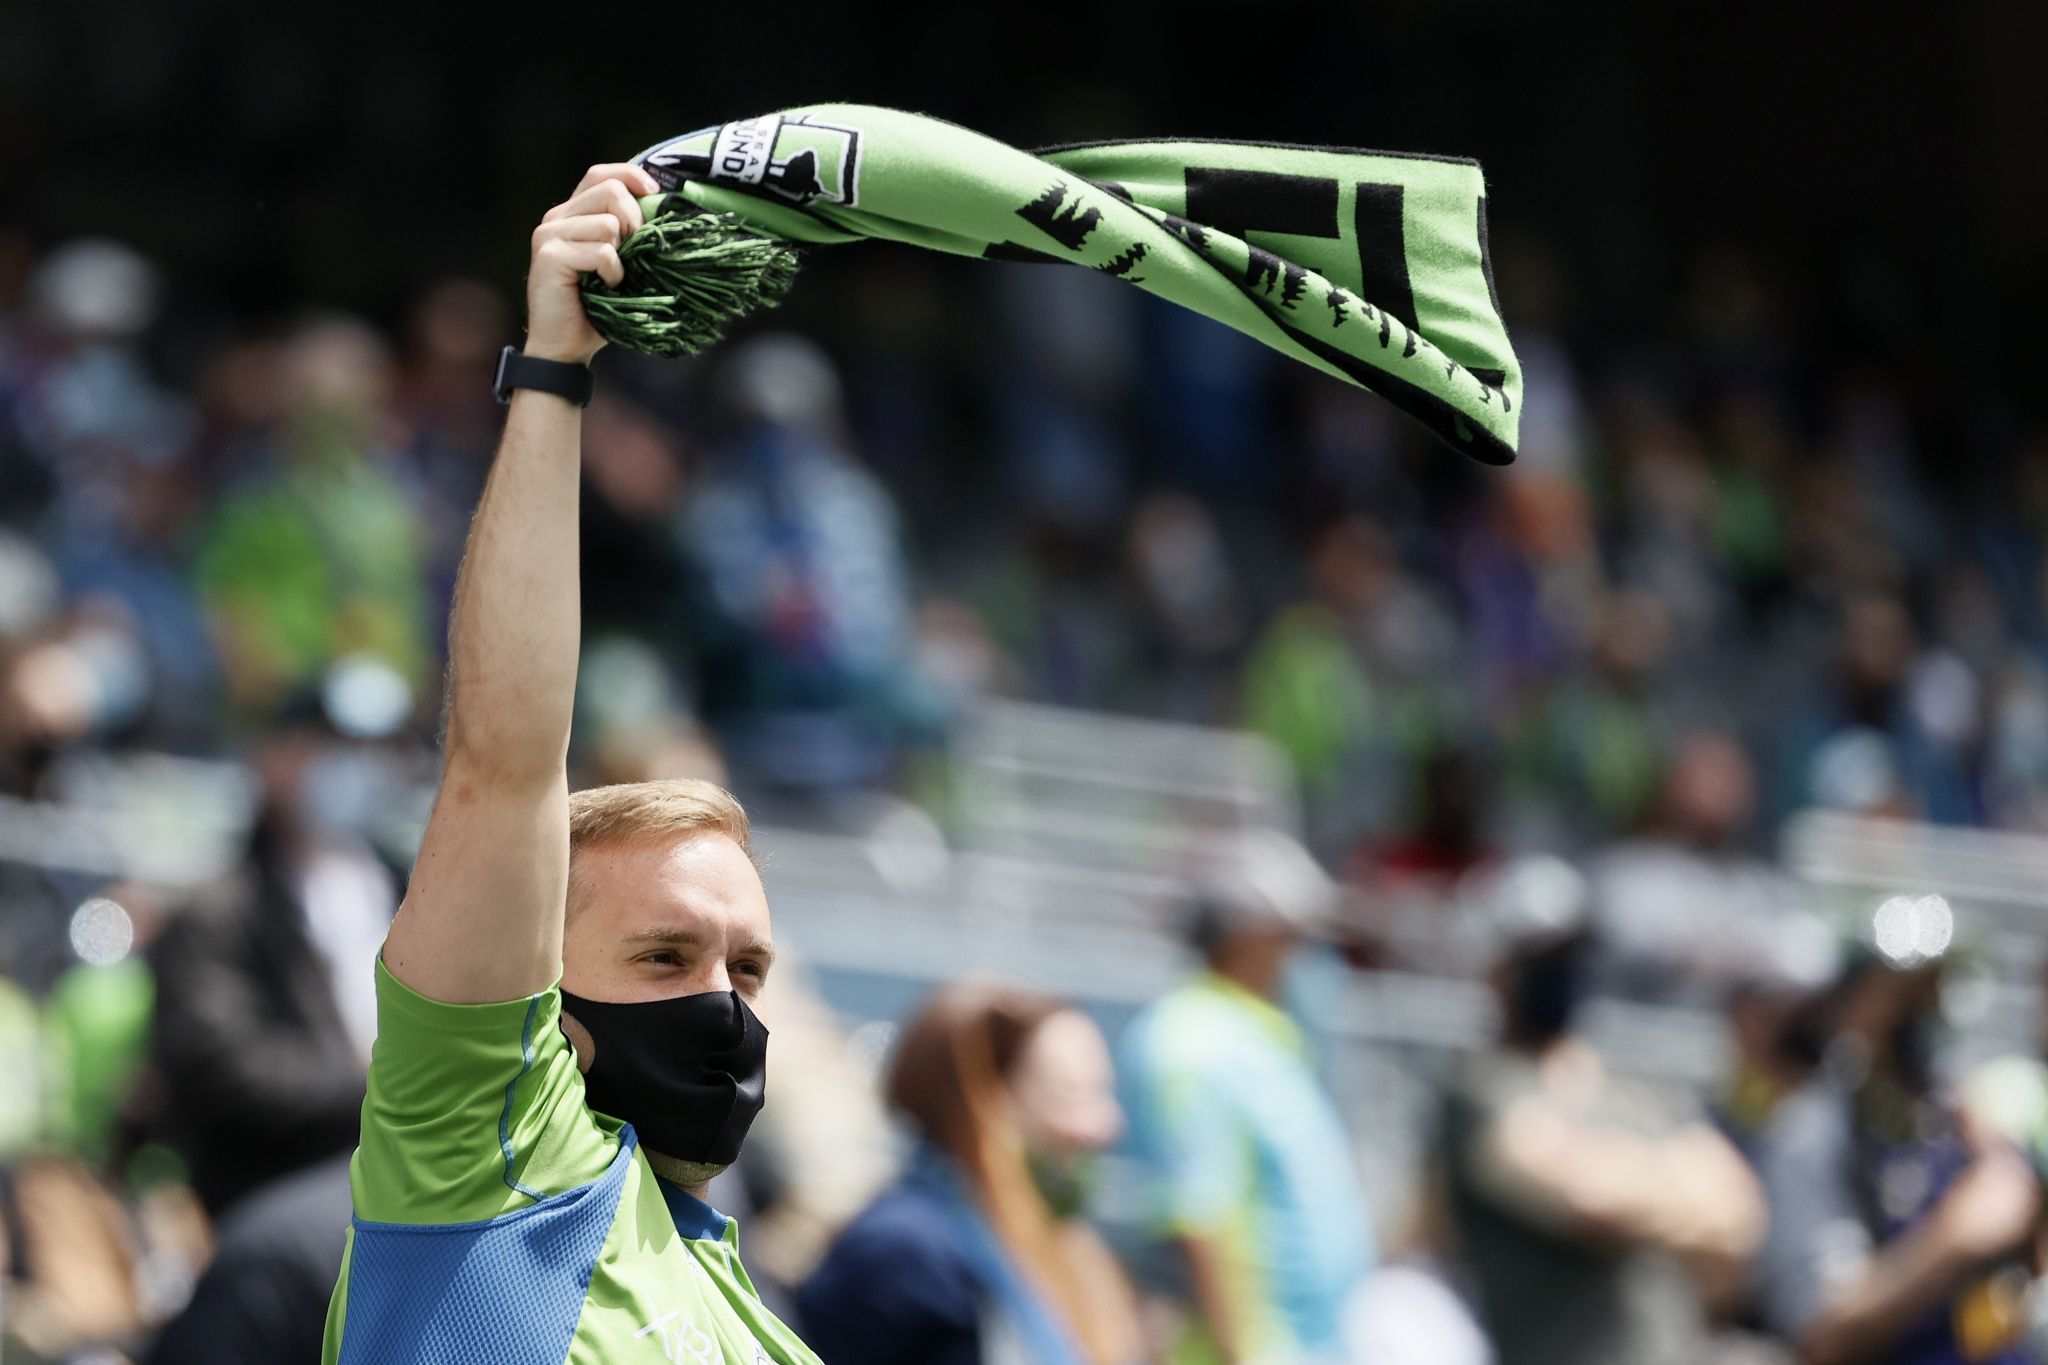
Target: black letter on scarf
(1262, 201)
(1293, 285)
(1337, 298)
(1383, 250)
(1191, 232)
(1120, 264)
(1069, 228)
(1261, 269)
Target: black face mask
(688, 1073)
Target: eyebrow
(667, 936)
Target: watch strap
(564, 380)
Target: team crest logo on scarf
(798, 159)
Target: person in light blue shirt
(1249, 1172)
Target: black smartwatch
(516, 371)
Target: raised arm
(1688, 1192)
(482, 919)
(1837, 1313)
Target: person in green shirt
(566, 1049)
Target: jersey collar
(1268, 1017)
(693, 1217)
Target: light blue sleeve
(1187, 1130)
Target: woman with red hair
(979, 1255)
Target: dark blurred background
(996, 591)
(1880, 155)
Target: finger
(637, 177)
(625, 206)
(588, 227)
(569, 254)
(607, 196)
(596, 199)
(617, 200)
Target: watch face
(558, 377)
(499, 389)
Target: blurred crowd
(1719, 588)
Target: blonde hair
(672, 808)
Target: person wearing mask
(1251, 1184)
(1891, 1212)
(1592, 1218)
(567, 1051)
(979, 1255)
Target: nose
(712, 976)
(1103, 1124)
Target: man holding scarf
(566, 1051)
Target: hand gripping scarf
(1371, 266)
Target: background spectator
(264, 1295)
(1687, 908)
(263, 1024)
(1888, 1212)
(978, 1253)
(1250, 1177)
(1599, 1222)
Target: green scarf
(1370, 266)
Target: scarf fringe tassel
(688, 274)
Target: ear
(581, 1044)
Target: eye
(663, 958)
(753, 969)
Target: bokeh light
(1909, 931)
(101, 932)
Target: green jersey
(499, 1219)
